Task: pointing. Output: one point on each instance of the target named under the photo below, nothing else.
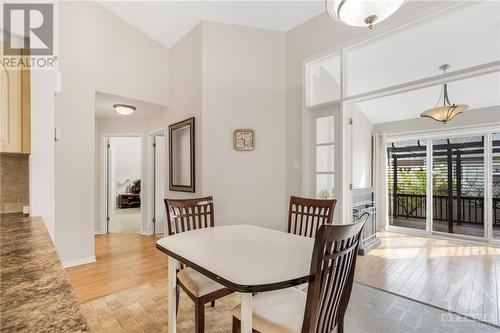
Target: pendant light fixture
(447, 111)
(124, 109)
(362, 13)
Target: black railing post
(450, 191)
(395, 186)
(459, 187)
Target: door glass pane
(496, 186)
(324, 158)
(324, 130)
(323, 84)
(324, 186)
(407, 183)
(458, 182)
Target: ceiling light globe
(124, 109)
(445, 113)
(364, 13)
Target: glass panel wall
(323, 80)
(458, 186)
(496, 185)
(407, 184)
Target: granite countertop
(35, 293)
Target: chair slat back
(332, 271)
(189, 214)
(305, 215)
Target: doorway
(123, 185)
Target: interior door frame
(151, 207)
(104, 198)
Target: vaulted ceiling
(168, 21)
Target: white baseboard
(78, 262)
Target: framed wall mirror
(181, 156)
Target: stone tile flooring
(144, 309)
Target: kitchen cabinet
(15, 108)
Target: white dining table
(244, 258)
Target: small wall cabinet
(15, 108)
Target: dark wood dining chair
(323, 307)
(185, 215)
(306, 215)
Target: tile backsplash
(14, 182)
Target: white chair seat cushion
(279, 311)
(197, 283)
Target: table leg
(246, 312)
(172, 295)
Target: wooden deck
(468, 229)
(455, 277)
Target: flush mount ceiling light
(447, 111)
(365, 13)
(124, 109)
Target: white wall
(231, 77)
(100, 52)
(160, 180)
(244, 87)
(362, 130)
(186, 102)
(42, 166)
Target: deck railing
(467, 209)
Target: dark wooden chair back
(189, 214)
(332, 275)
(305, 215)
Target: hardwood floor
(452, 276)
(122, 261)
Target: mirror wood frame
(182, 188)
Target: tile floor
(144, 309)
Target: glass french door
(407, 184)
(458, 175)
(456, 170)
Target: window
(324, 150)
(323, 80)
